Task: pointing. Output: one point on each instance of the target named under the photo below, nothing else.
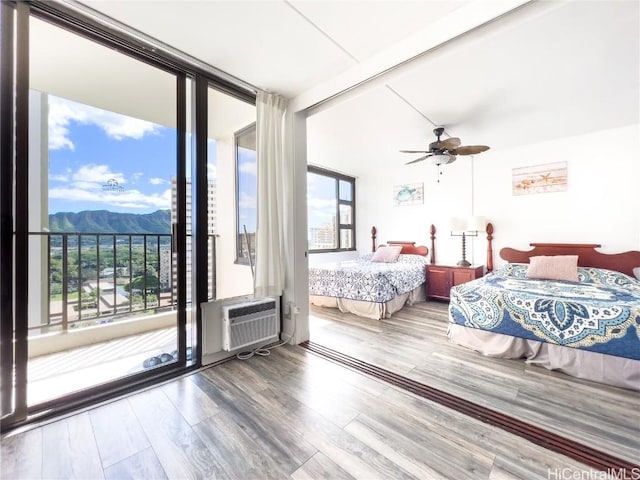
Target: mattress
(599, 313)
(368, 281)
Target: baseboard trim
(549, 440)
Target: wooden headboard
(407, 247)
(410, 247)
(588, 256)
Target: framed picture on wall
(546, 178)
(408, 194)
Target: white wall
(38, 206)
(232, 279)
(601, 204)
(450, 197)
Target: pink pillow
(386, 254)
(556, 267)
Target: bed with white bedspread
(370, 288)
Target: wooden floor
(413, 343)
(296, 415)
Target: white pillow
(555, 267)
(387, 254)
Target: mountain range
(104, 221)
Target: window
(246, 190)
(331, 203)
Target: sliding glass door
(97, 209)
(118, 209)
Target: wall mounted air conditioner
(231, 324)
(248, 322)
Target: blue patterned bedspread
(363, 279)
(600, 313)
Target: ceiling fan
(445, 151)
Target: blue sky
(90, 148)
(321, 202)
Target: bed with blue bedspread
(589, 328)
(600, 313)
(369, 289)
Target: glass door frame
(15, 211)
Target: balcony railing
(95, 278)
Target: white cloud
(247, 201)
(93, 174)
(250, 168)
(321, 203)
(62, 112)
(212, 171)
(128, 198)
(87, 185)
(136, 176)
(158, 181)
(61, 177)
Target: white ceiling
(67, 66)
(545, 70)
(283, 46)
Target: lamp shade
(476, 224)
(458, 224)
(468, 224)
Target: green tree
(138, 283)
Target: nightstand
(440, 278)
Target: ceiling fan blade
(448, 143)
(417, 160)
(414, 151)
(469, 150)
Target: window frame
(240, 259)
(351, 203)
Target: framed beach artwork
(546, 178)
(408, 194)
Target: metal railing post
(130, 277)
(144, 278)
(97, 275)
(79, 276)
(65, 283)
(115, 276)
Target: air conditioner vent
(248, 323)
(241, 311)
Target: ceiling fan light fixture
(442, 158)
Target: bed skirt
(597, 367)
(374, 310)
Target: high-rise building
(212, 229)
(323, 237)
(164, 276)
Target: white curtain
(270, 129)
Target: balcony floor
(64, 372)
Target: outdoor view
(329, 200)
(108, 174)
(102, 300)
(100, 246)
(247, 186)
